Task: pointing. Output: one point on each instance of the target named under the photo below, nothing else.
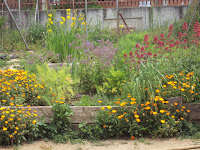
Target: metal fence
(64, 4)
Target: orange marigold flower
(104, 126)
(138, 120)
(132, 138)
(182, 118)
(173, 116)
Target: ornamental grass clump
(17, 124)
(19, 87)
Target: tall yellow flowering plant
(61, 34)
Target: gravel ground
(141, 144)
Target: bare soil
(141, 144)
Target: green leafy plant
(36, 32)
(59, 80)
(59, 129)
(114, 81)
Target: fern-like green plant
(60, 81)
(113, 83)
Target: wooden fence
(65, 4)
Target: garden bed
(88, 113)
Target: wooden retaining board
(80, 113)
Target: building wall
(138, 18)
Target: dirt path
(141, 144)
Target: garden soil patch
(141, 144)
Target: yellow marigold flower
(121, 26)
(182, 89)
(4, 129)
(138, 120)
(11, 119)
(119, 117)
(133, 99)
(99, 101)
(34, 121)
(164, 86)
(173, 116)
(38, 97)
(61, 22)
(6, 122)
(157, 91)
(188, 110)
(16, 128)
(122, 104)
(109, 107)
(11, 136)
(175, 104)
(68, 17)
(155, 113)
(12, 115)
(162, 111)
(136, 116)
(11, 104)
(174, 87)
(35, 115)
(3, 116)
(7, 112)
(114, 111)
(162, 121)
(182, 118)
(49, 30)
(103, 108)
(147, 108)
(68, 10)
(15, 132)
(132, 103)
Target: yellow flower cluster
(182, 83)
(16, 120)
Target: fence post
(19, 2)
(117, 1)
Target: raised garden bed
(88, 113)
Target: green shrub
(36, 32)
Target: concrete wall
(140, 18)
